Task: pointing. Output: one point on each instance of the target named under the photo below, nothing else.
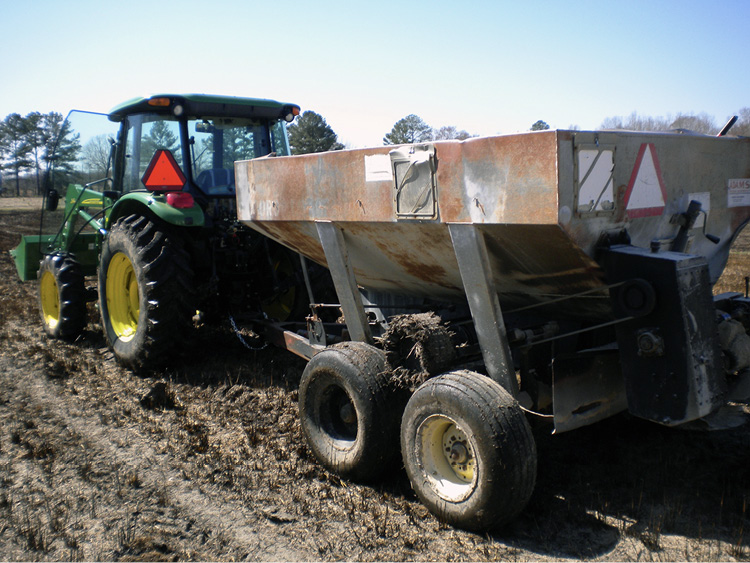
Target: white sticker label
(738, 192)
(378, 168)
(595, 184)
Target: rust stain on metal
(520, 191)
(328, 186)
(509, 179)
(406, 258)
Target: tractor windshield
(208, 155)
(216, 144)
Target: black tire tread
(167, 290)
(72, 295)
(366, 366)
(507, 428)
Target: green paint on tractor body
(201, 131)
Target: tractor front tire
(62, 296)
(146, 293)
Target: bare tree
(742, 127)
(701, 123)
(635, 122)
(698, 123)
(95, 156)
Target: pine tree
(14, 151)
(310, 133)
(62, 148)
(539, 126)
(410, 129)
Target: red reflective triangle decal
(646, 195)
(163, 172)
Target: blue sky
(490, 67)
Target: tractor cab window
(146, 134)
(279, 139)
(216, 144)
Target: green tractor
(150, 213)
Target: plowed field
(206, 461)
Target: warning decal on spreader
(738, 192)
(646, 195)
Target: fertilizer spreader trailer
(444, 293)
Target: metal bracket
(473, 264)
(337, 257)
(315, 331)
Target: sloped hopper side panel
(400, 241)
(542, 201)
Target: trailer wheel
(468, 450)
(62, 296)
(349, 413)
(145, 292)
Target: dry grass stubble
(93, 465)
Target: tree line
(29, 145)
(697, 123)
(310, 133)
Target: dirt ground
(206, 461)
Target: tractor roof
(204, 105)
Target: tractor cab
(99, 158)
(204, 136)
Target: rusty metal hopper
(541, 201)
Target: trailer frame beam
(334, 245)
(474, 265)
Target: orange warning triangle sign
(163, 172)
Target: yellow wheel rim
(50, 298)
(447, 457)
(123, 298)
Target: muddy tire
(468, 450)
(350, 414)
(146, 294)
(62, 296)
(420, 344)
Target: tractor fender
(155, 206)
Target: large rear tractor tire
(146, 293)
(350, 413)
(62, 296)
(468, 450)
